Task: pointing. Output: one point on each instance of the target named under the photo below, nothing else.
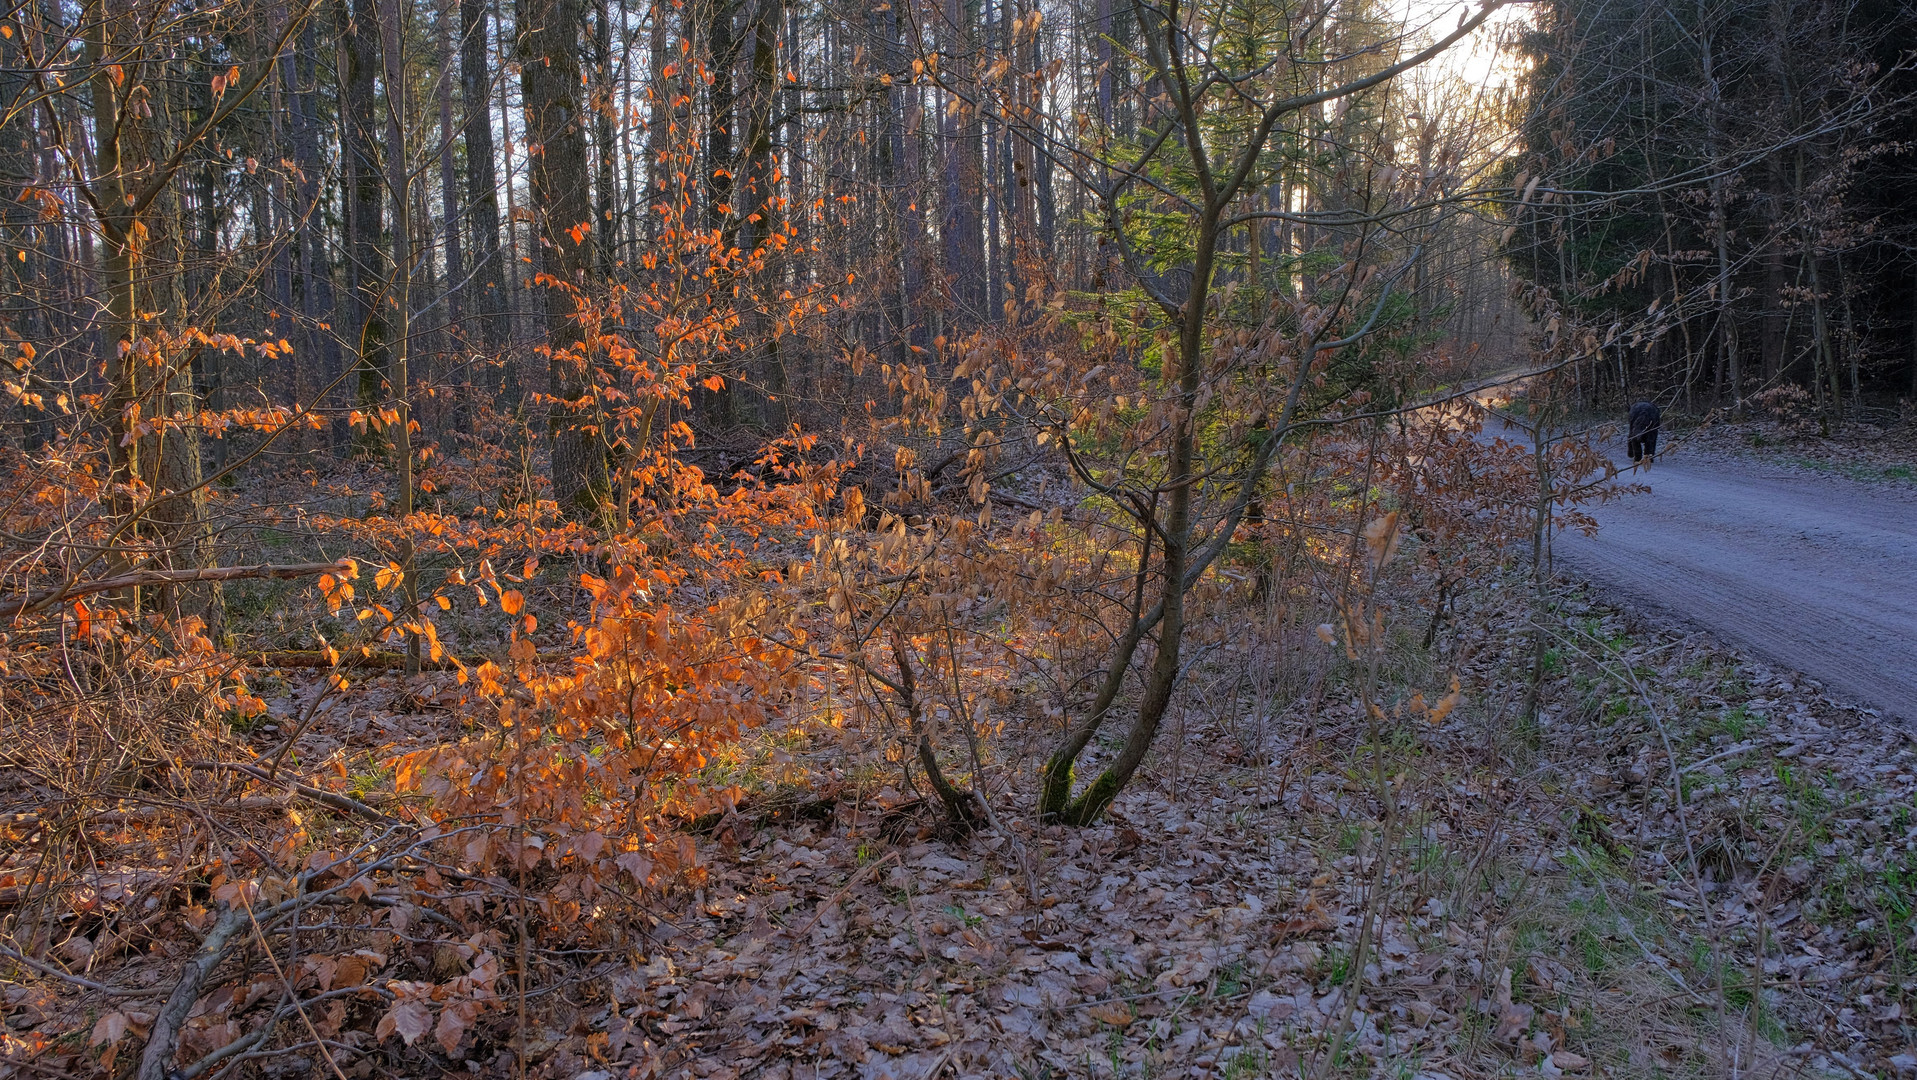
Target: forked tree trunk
(141, 276)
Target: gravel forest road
(1815, 573)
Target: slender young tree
(1175, 202)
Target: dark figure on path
(1644, 423)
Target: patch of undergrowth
(1740, 848)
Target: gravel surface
(1814, 572)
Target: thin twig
(99, 988)
(819, 913)
(297, 1007)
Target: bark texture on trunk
(367, 332)
(486, 289)
(549, 48)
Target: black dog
(1645, 419)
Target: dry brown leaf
(454, 1019)
(350, 971)
(109, 1029)
(1570, 1062)
(407, 1019)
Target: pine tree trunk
(904, 124)
(398, 185)
(963, 229)
(605, 177)
(1726, 336)
(316, 300)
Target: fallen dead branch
(332, 799)
(355, 658)
(157, 1059)
(27, 605)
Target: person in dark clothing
(1645, 418)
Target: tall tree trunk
(549, 40)
(605, 182)
(423, 280)
(661, 112)
(1829, 396)
(398, 185)
(904, 123)
(625, 234)
(1103, 60)
(171, 459)
(449, 182)
(1847, 334)
(31, 291)
(278, 236)
(1046, 199)
(1726, 336)
(962, 228)
(203, 286)
(316, 300)
(510, 301)
(486, 289)
(993, 174)
(793, 161)
(141, 278)
(721, 217)
(116, 265)
(367, 331)
(761, 208)
(1776, 321)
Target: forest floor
(1692, 864)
